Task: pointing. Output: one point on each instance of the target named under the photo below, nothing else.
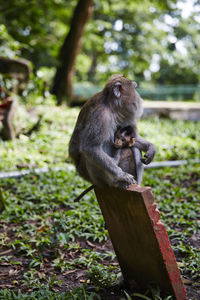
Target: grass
(48, 147)
(54, 248)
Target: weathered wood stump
(19, 69)
(7, 111)
(140, 239)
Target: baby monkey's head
(124, 137)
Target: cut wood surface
(139, 238)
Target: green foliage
(41, 29)
(173, 139)
(9, 47)
(2, 202)
(179, 63)
(39, 149)
(118, 42)
(45, 293)
(43, 226)
(162, 48)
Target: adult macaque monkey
(125, 155)
(118, 105)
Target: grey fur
(91, 142)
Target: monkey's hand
(147, 147)
(124, 181)
(148, 157)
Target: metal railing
(151, 92)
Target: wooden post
(140, 239)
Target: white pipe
(155, 164)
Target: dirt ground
(11, 275)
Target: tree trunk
(92, 71)
(2, 202)
(62, 85)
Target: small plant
(102, 276)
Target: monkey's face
(123, 140)
(118, 143)
(121, 93)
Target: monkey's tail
(84, 193)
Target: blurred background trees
(62, 85)
(154, 42)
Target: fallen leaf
(5, 264)
(4, 286)
(90, 244)
(13, 272)
(43, 228)
(69, 272)
(5, 252)
(80, 273)
(187, 281)
(84, 280)
(71, 254)
(41, 275)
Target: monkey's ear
(135, 84)
(132, 142)
(116, 89)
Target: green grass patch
(54, 248)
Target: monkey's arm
(147, 147)
(108, 167)
(101, 159)
(117, 155)
(97, 141)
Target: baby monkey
(125, 145)
(124, 137)
(123, 153)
